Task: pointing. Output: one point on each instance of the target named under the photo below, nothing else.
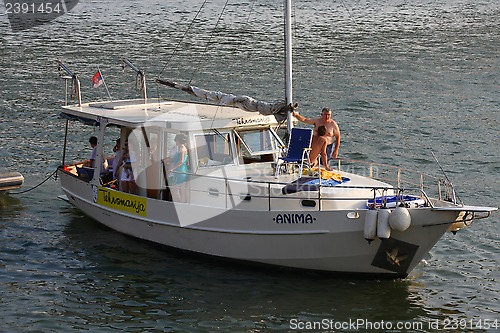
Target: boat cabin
(220, 140)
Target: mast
(288, 61)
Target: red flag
(97, 79)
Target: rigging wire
(158, 94)
(182, 38)
(215, 115)
(175, 49)
(251, 11)
(348, 12)
(209, 40)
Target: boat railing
(266, 194)
(75, 90)
(226, 192)
(140, 78)
(440, 188)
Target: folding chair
(85, 173)
(298, 149)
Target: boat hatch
(127, 104)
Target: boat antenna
(455, 195)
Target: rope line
(208, 41)
(34, 187)
(348, 12)
(182, 38)
(251, 11)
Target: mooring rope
(34, 187)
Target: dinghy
(10, 181)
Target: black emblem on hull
(395, 255)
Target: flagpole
(103, 81)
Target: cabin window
(214, 149)
(258, 145)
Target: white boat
(240, 203)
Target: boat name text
(121, 201)
(294, 218)
(244, 121)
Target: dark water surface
(402, 78)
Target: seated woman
(318, 148)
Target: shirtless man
(332, 129)
(318, 148)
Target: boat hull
(311, 239)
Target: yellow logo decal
(121, 201)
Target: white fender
(383, 229)
(400, 219)
(370, 225)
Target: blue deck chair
(85, 173)
(298, 149)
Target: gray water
(401, 77)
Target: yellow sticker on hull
(121, 201)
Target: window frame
(278, 141)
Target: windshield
(259, 141)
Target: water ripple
(401, 78)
